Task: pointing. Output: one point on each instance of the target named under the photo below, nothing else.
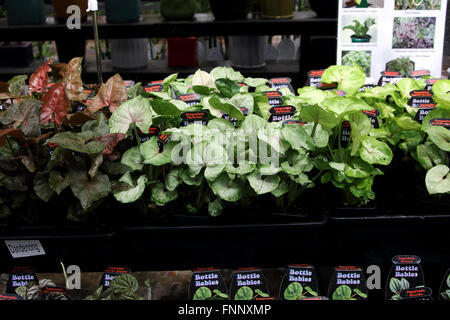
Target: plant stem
(136, 134)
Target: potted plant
(277, 9)
(122, 11)
(404, 65)
(20, 12)
(230, 10)
(248, 51)
(360, 30)
(177, 9)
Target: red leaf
(17, 133)
(110, 141)
(39, 79)
(113, 93)
(55, 101)
(72, 80)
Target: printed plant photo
(417, 4)
(363, 4)
(360, 58)
(359, 29)
(413, 33)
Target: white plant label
(381, 31)
(92, 5)
(24, 248)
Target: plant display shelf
(152, 26)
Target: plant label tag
(48, 292)
(162, 140)
(341, 93)
(444, 293)
(406, 273)
(293, 122)
(327, 86)
(348, 283)
(279, 83)
(129, 83)
(314, 78)
(419, 74)
(207, 284)
(281, 113)
(191, 99)
(387, 77)
(154, 88)
(153, 131)
(194, 117)
(424, 109)
(299, 281)
(248, 284)
(275, 98)
(10, 297)
(440, 122)
(110, 273)
(373, 116)
(346, 131)
(429, 83)
(24, 248)
(234, 121)
(423, 293)
(20, 276)
(419, 97)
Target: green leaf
(243, 100)
(437, 179)
(244, 293)
(227, 189)
(165, 108)
(191, 181)
(215, 208)
(294, 291)
(358, 168)
(441, 92)
(252, 124)
(226, 73)
(349, 78)
(440, 136)
(344, 105)
(361, 126)
(77, 142)
(405, 87)
(220, 294)
(436, 113)
(124, 284)
(58, 182)
(24, 115)
(42, 187)
(202, 78)
(321, 136)
(343, 292)
(429, 155)
(221, 125)
(395, 285)
(151, 155)
(316, 114)
(282, 189)
(135, 192)
(375, 152)
(263, 185)
(173, 179)
(133, 159)
(98, 126)
(227, 87)
(89, 190)
(360, 293)
(255, 82)
(202, 293)
(17, 84)
(162, 197)
(448, 281)
(137, 111)
(311, 291)
(228, 108)
(297, 137)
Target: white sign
(24, 248)
(92, 5)
(380, 32)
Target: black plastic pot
(230, 10)
(325, 9)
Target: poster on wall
(392, 35)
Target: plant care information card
(392, 35)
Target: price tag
(20, 276)
(47, 292)
(406, 273)
(110, 273)
(190, 99)
(366, 87)
(275, 98)
(348, 283)
(424, 109)
(10, 297)
(282, 113)
(419, 74)
(207, 284)
(153, 131)
(129, 83)
(416, 294)
(279, 83)
(440, 122)
(327, 86)
(24, 248)
(373, 116)
(314, 78)
(429, 83)
(293, 122)
(154, 88)
(419, 97)
(299, 282)
(248, 284)
(346, 131)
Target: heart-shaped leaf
(89, 190)
(77, 142)
(437, 179)
(113, 93)
(55, 105)
(136, 111)
(39, 80)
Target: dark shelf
(304, 23)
